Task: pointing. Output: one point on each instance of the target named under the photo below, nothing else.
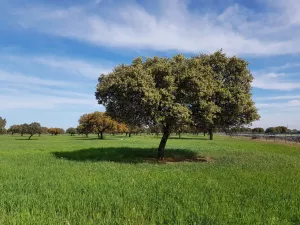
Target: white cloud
(35, 101)
(237, 30)
(282, 97)
(274, 81)
(286, 105)
(75, 66)
(20, 78)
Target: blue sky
(52, 52)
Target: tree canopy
(258, 130)
(97, 122)
(212, 91)
(2, 125)
(31, 129)
(71, 131)
(55, 131)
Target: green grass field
(74, 180)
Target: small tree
(258, 130)
(2, 125)
(85, 125)
(71, 131)
(14, 129)
(122, 128)
(97, 122)
(271, 130)
(44, 130)
(31, 129)
(80, 129)
(55, 131)
(281, 129)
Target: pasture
(78, 180)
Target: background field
(74, 180)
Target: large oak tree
(178, 91)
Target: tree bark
(129, 134)
(30, 137)
(101, 136)
(211, 135)
(162, 145)
(179, 135)
(98, 135)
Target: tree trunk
(162, 145)
(101, 137)
(129, 134)
(204, 133)
(211, 135)
(179, 135)
(87, 135)
(30, 137)
(98, 135)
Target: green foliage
(31, 129)
(71, 131)
(209, 91)
(56, 131)
(97, 122)
(277, 130)
(258, 130)
(44, 130)
(2, 125)
(230, 104)
(14, 129)
(75, 180)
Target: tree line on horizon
(269, 130)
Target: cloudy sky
(52, 52)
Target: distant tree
(181, 128)
(281, 129)
(122, 128)
(98, 122)
(55, 131)
(23, 128)
(80, 129)
(14, 129)
(85, 125)
(3, 131)
(44, 130)
(258, 130)
(62, 131)
(271, 130)
(71, 131)
(155, 129)
(2, 125)
(31, 129)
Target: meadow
(78, 180)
